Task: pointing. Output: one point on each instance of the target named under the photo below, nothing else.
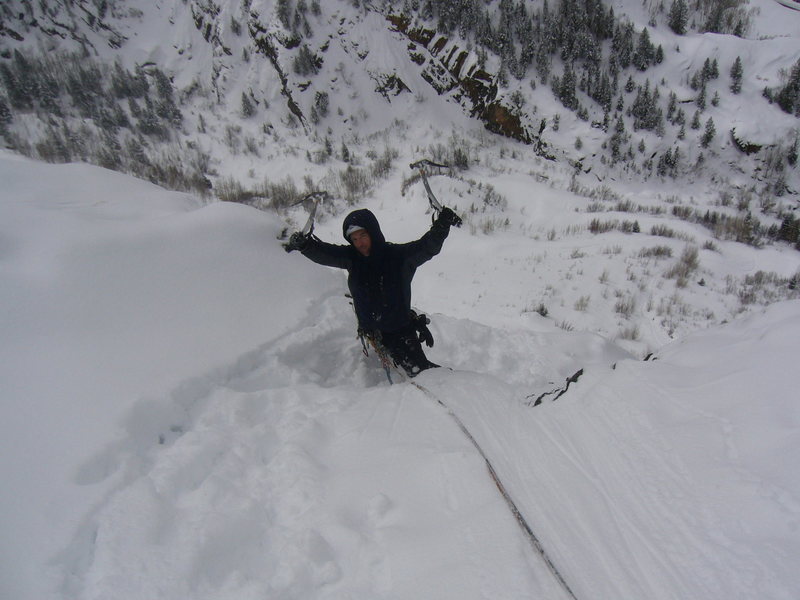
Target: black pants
(406, 350)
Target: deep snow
(186, 413)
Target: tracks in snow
(518, 516)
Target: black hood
(364, 218)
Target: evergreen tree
(709, 133)
(139, 86)
(672, 105)
(791, 156)
(566, 90)
(645, 109)
(705, 72)
(305, 63)
(120, 117)
(663, 163)
(16, 95)
(788, 97)
(248, 108)
(700, 101)
(630, 85)
(26, 76)
(645, 52)
(617, 139)
(321, 103)
(736, 76)
(49, 86)
(678, 16)
(135, 151)
(109, 153)
(789, 230)
(284, 10)
(622, 44)
(120, 81)
(163, 85)
(134, 108)
(5, 116)
(695, 81)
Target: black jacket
(381, 282)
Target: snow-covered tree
(788, 97)
(248, 108)
(678, 16)
(736, 75)
(709, 133)
(645, 52)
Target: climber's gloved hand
(448, 217)
(297, 241)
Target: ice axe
(315, 198)
(422, 165)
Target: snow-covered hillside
(315, 76)
(186, 413)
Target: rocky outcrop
(444, 66)
(389, 86)
(205, 19)
(744, 145)
(264, 42)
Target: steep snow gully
(299, 472)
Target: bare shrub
(625, 206)
(683, 212)
(382, 164)
(355, 183)
(582, 304)
(630, 227)
(492, 224)
(662, 231)
(765, 287)
(229, 189)
(685, 267)
(597, 226)
(656, 252)
(625, 306)
(283, 193)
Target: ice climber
(379, 278)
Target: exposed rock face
(264, 42)
(443, 67)
(744, 145)
(390, 86)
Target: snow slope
(113, 291)
(186, 414)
